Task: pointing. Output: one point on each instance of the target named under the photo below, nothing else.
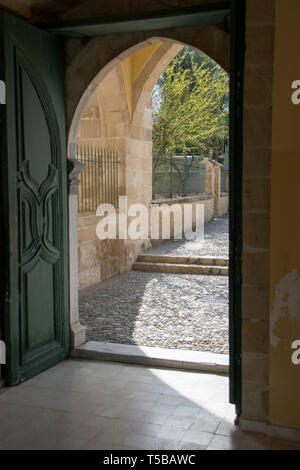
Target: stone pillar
(217, 189)
(209, 177)
(227, 182)
(257, 117)
(77, 330)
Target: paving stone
(176, 311)
(216, 242)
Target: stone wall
(101, 259)
(213, 186)
(207, 201)
(256, 208)
(223, 205)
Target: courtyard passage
(180, 311)
(161, 310)
(216, 242)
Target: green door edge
(4, 240)
(237, 60)
(9, 281)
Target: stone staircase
(181, 265)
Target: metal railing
(99, 179)
(178, 176)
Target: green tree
(190, 107)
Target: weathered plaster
(284, 376)
(285, 312)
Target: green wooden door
(34, 195)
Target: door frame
(185, 17)
(237, 62)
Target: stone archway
(211, 40)
(93, 61)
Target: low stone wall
(101, 259)
(223, 204)
(206, 199)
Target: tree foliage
(190, 106)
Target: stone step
(154, 357)
(205, 261)
(180, 268)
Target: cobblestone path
(164, 310)
(216, 242)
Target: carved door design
(35, 181)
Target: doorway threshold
(154, 357)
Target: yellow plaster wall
(284, 398)
(131, 69)
(126, 69)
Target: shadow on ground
(164, 310)
(80, 404)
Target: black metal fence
(99, 179)
(178, 176)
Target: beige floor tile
(100, 405)
(179, 422)
(237, 443)
(207, 423)
(169, 432)
(198, 437)
(154, 417)
(146, 429)
(57, 443)
(226, 428)
(186, 411)
(149, 443)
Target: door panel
(33, 163)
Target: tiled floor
(98, 405)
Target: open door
(237, 53)
(34, 196)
